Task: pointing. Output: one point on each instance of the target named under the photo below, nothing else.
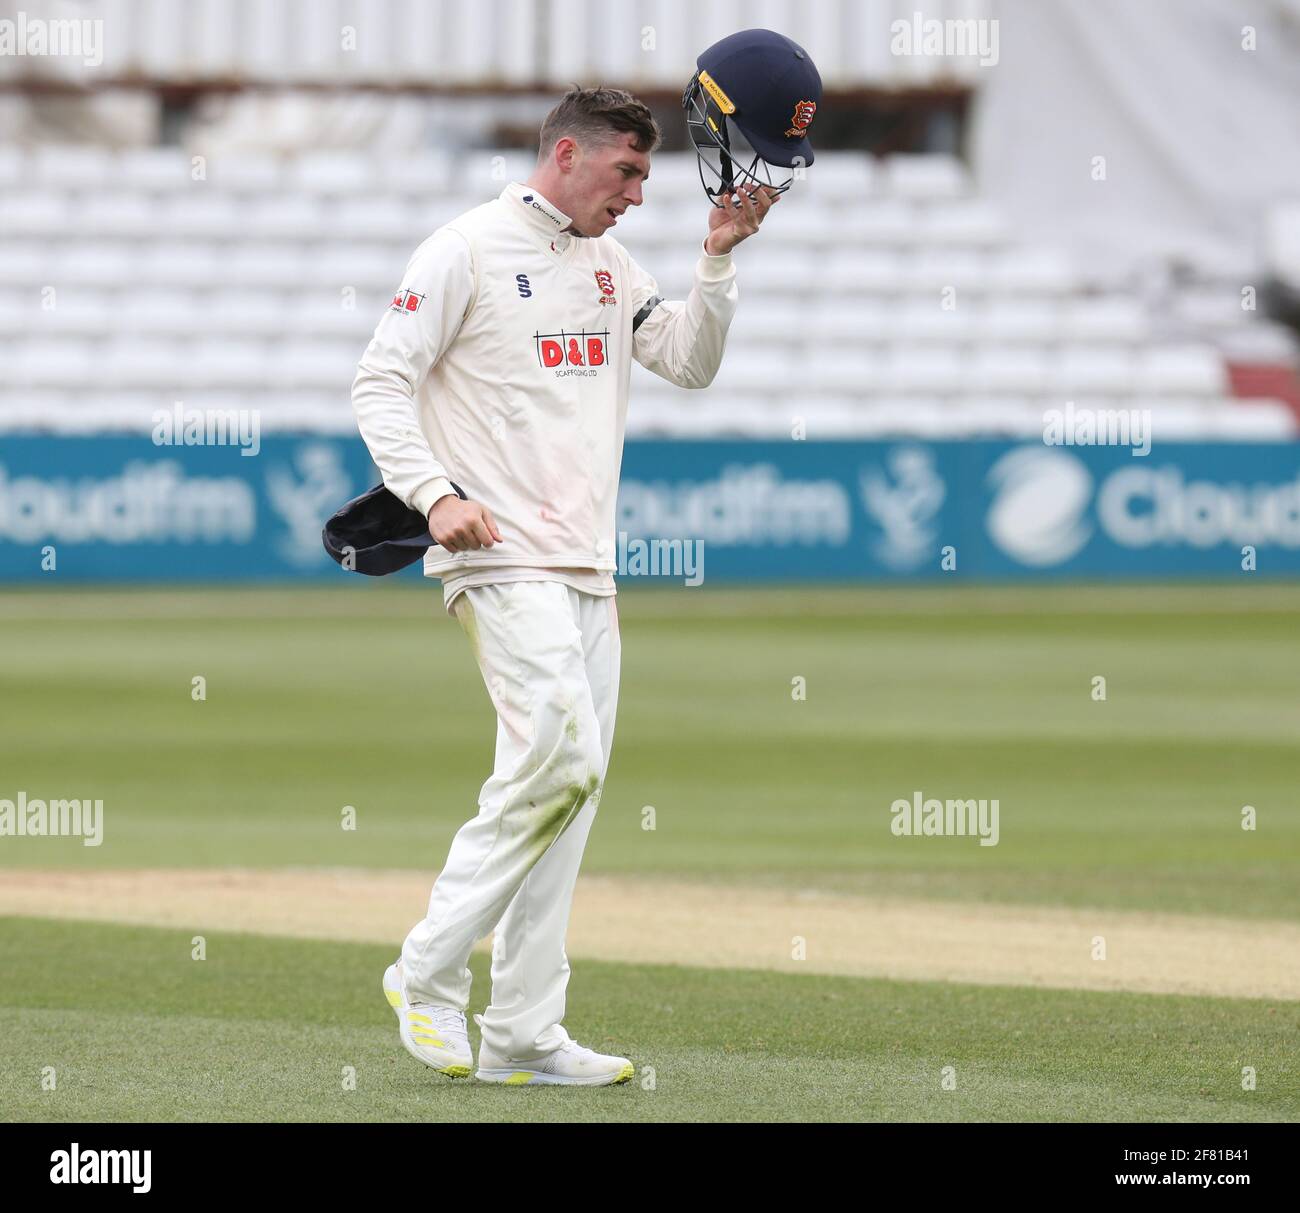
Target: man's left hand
(729, 225)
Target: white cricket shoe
(571, 1065)
(434, 1035)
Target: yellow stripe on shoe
(394, 998)
(519, 1078)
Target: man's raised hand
(729, 225)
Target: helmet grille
(726, 160)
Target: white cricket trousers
(550, 656)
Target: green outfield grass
(367, 696)
(263, 1028)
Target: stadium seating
(882, 298)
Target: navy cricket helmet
(748, 110)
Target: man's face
(606, 180)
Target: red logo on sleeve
(406, 301)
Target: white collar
(539, 213)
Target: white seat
(1002, 319)
(32, 408)
(243, 312)
(315, 364)
(833, 417)
(15, 167)
(861, 321)
(1033, 270)
(937, 269)
(840, 176)
(206, 398)
(245, 173)
(290, 216)
(24, 265)
(781, 273)
(231, 363)
(482, 175)
(690, 423)
(418, 174)
(756, 373)
(921, 369)
(1009, 369)
(1105, 319)
(918, 417)
(153, 168)
(271, 265)
(89, 264)
(737, 418)
(1191, 370)
(323, 315)
(117, 214)
(883, 221)
(1261, 341)
(36, 213)
(1175, 420)
(1281, 240)
(367, 269)
(51, 363)
(645, 230)
(925, 176)
(81, 311)
(844, 371)
(213, 214)
(136, 362)
(1102, 369)
(929, 321)
(1254, 421)
(856, 270)
(126, 411)
(997, 416)
(375, 217)
(317, 414)
(771, 322)
(858, 418)
(159, 310)
(17, 314)
(1212, 309)
(963, 223)
(71, 166)
(181, 263)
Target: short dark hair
(594, 116)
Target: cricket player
(503, 364)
